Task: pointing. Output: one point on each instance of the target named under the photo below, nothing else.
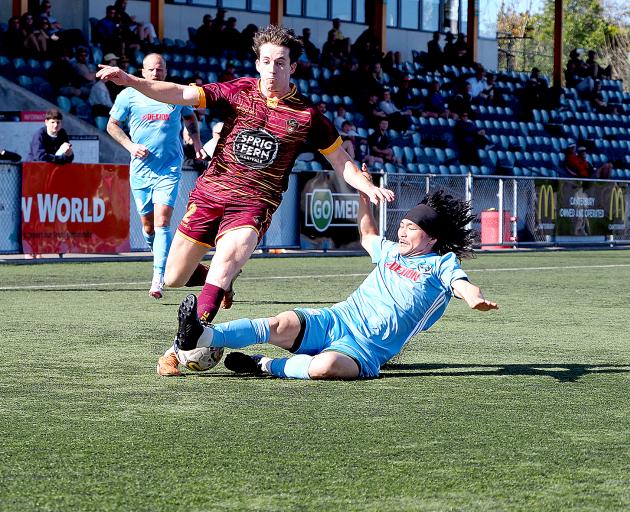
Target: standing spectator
(230, 39)
(435, 55)
(50, 143)
(577, 164)
(246, 42)
(450, 50)
(380, 143)
(462, 57)
(310, 50)
(156, 153)
(204, 36)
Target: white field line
(272, 278)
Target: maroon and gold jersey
(261, 139)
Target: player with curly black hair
(405, 294)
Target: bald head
(154, 67)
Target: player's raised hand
(376, 194)
(113, 74)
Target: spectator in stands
(372, 112)
(478, 85)
(599, 104)
(310, 50)
(84, 70)
(100, 98)
(366, 48)
(380, 143)
(45, 9)
(462, 101)
(577, 164)
(532, 96)
(204, 36)
(230, 39)
(340, 116)
(469, 140)
(435, 105)
(593, 69)
(50, 143)
(14, 38)
(490, 95)
(37, 44)
(462, 57)
(331, 56)
(247, 42)
(144, 32)
(398, 119)
(27, 24)
(577, 74)
(435, 55)
(228, 73)
(378, 75)
(406, 98)
(323, 108)
(108, 32)
(450, 50)
(346, 81)
(62, 76)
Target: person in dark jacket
(50, 143)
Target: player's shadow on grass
(560, 372)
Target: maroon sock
(209, 301)
(198, 277)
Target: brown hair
(54, 113)
(280, 36)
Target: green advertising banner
(581, 209)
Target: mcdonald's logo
(546, 203)
(617, 204)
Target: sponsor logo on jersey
(255, 149)
(156, 117)
(409, 273)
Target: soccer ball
(199, 359)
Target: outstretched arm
(166, 92)
(345, 167)
(472, 295)
(368, 230)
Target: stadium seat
(390, 168)
(101, 122)
(64, 103)
(315, 166)
(25, 81)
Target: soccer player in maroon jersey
(232, 203)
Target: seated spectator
(372, 112)
(340, 116)
(50, 143)
(478, 85)
(14, 38)
(577, 164)
(469, 140)
(310, 50)
(490, 95)
(204, 36)
(406, 98)
(593, 69)
(144, 32)
(435, 55)
(27, 24)
(108, 32)
(45, 9)
(100, 98)
(577, 74)
(63, 78)
(380, 143)
(84, 70)
(435, 105)
(597, 100)
(331, 56)
(37, 44)
(462, 101)
(341, 42)
(398, 119)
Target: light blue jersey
(400, 297)
(155, 125)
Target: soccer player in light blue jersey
(155, 146)
(406, 293)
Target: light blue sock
(236, 334)
(161, 245)
(295, 367)
(148, 239)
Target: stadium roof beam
(472, 29)
(20, 7)
(558, 29)
(157, 17)
(276, 10)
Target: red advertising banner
(79, 208)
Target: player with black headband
(406, 293)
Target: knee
(173, 279)
(322, 370)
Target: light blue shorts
(324, 331)
(155, 189)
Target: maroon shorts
(208, 218)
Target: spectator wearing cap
(50, 143)
(577, 164)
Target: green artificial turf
(526, 408)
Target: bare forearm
(192, 127)
(166, 92)
(365, 219)
(118, 134)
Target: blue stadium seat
(409, 154)
(25, 81)
(390, 168)
(412, 168)
(101, 122)
(64, 103)
(315, 166)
